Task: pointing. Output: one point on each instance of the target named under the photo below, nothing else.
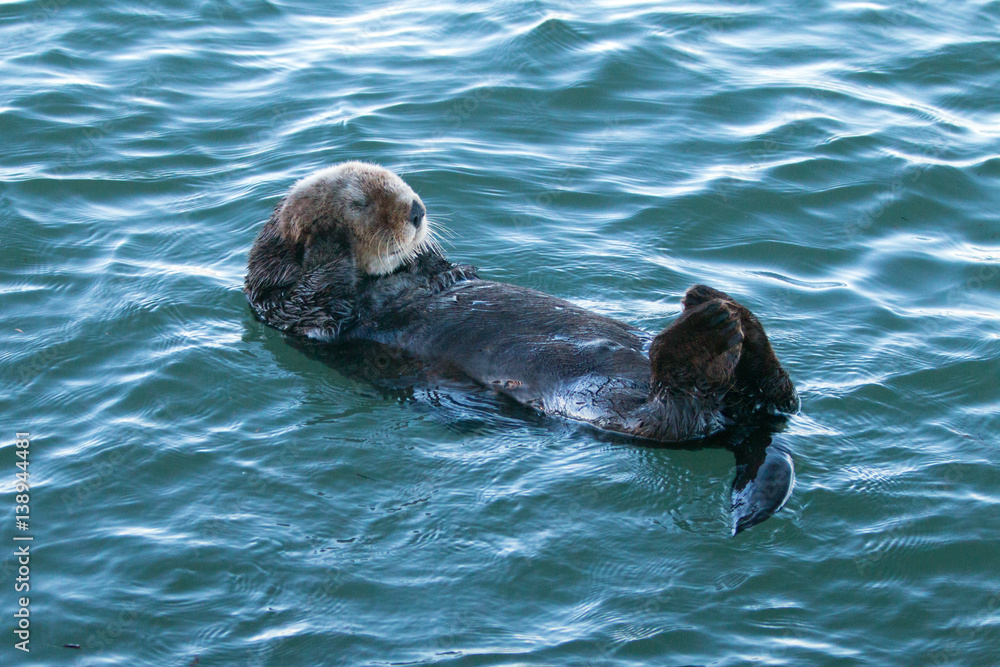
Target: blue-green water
(203, 493)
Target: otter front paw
(455, 274)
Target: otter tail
(765, 476)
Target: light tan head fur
(383, 218)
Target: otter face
(382, 221)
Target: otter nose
(417, 212)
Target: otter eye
(359, 204)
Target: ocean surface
(204, 493)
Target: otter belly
(541, 351)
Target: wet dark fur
(709, 369)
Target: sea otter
(349, 255)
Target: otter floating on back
(349, 255)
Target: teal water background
(203, 493)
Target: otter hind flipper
(699, 351)
(692, 364)
(761, 381)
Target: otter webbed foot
(700, 350)
(692, 362)
(761, 383)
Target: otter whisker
(430, 241)
(440, 228)
(436, 247)
(433, 233)
(384, 250)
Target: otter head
(358, 208)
